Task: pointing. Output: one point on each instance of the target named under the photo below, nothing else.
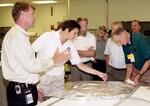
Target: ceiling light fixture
(6, 4)
(44, 2)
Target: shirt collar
(131, 36)
(129, 43)
(21, 30)
(84, 35)
(100, 39)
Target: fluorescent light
(44, 2)
(6, 4)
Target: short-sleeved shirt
(47, 44)
(84, 43)
(116, 54)
(139, 47)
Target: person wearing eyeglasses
(136, 47)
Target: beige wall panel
(94, 10)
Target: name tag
(131, 57)
(28, 96)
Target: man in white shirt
(85, 44)
(115, 60)
(19, 65)
(53, 79)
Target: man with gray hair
(115, 61)
(136, 48)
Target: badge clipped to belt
(28, 96)
(25, 93)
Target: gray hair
(117, 32)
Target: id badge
(131, 57)
(28, 96)
(18, 89)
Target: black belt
(86, 62)
(100, 60)
(118, 68)
(22, 85)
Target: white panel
(128, 10)
(94, 10)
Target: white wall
(121, 10)
(5, 17)
(127, 10)
(43, 14)
(94, 10)
(44, 18)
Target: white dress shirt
(18, 58)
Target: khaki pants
(145, 79)
(79, 75)
(51, 83)
(114, 74)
